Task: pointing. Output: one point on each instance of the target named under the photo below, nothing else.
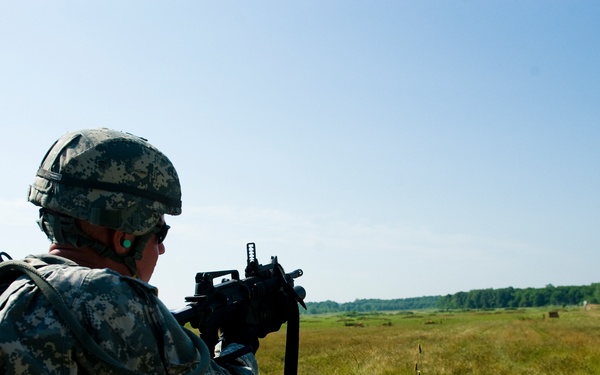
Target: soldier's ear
(122, 242)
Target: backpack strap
(89, 345)
(6, 276)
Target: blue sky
(390, 149)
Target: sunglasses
(161, 231)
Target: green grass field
(524, 341)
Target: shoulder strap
(65, 313)
(7, 276)
(71, 321)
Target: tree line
(475, 299)
(371, 305)
(529, 297)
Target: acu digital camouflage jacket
(122, 315)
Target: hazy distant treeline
(475, 299)
(368, 305)
(529, 297)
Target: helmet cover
(108, 178)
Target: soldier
(86, 306)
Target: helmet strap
(136, 252)
(63, 229)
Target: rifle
(213, 304)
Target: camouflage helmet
(108, 178)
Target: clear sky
(390, 149)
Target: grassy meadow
(523, 341)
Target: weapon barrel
(295, 274)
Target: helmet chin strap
(135, 253)
(64, 229)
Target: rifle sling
(292, 338)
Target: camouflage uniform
(123, 315)
(113, 180)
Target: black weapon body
(213, 304)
